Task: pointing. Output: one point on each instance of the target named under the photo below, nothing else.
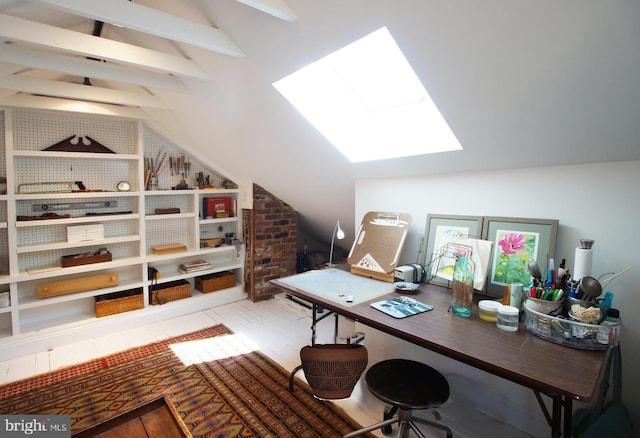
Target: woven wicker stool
(332, 370)
(406, 385)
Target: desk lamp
(337, 232)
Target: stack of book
(196, 265)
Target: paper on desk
(480, 256)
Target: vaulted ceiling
(520, 83)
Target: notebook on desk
(401, 307)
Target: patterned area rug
(218, 383)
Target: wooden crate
(65, 287)
(119, 302)
(171, 291)
(214, 282)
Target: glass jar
(508, 318)
(462, 286)
(488, 310)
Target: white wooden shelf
(33, 301)
(83, 244)
(30, 323)
(77, 220)
(76, 196)
(160, 217)
(75, 155)
(222, 220)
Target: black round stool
(406, 385)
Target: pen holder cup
(543, 306)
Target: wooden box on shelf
(210, 243)
(64, 287)
(214, 282)
(119, 302)
(168, 248)
(167, 210)
(84, 259)
(171, 291)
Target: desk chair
(406, 385)
(332, 370)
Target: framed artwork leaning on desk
(440, 231)
(515, 242)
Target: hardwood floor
(279, 328)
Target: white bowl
(544, 306)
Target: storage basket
(119, 302)
(572, 333)
(214, 282)
(171, 291)
(332, 370)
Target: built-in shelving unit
(82, 190)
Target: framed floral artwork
(515, 242)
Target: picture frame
(442, 229)
(515, 242)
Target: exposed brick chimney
(272, 248)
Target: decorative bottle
(462, 300)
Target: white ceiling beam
(4, 4)
(17, 29)
(5, 93)
(152, 21)
(80, 92)
(52, 103)
(277, 8)
(82, 67)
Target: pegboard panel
(5, 324)
(3, 147)
(35, 131)
(96, 174)
(3, 211)
(4, 252)
(218, 230)
(43, 235)
(163, 232)
(155, 147)
(182, 201)
(57, 233)
(38, 207)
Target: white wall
(595, 201)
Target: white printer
(412, 273)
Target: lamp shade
(339, 234)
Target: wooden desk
(559, 372)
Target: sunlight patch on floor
(219, 347)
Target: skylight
(367, 101)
